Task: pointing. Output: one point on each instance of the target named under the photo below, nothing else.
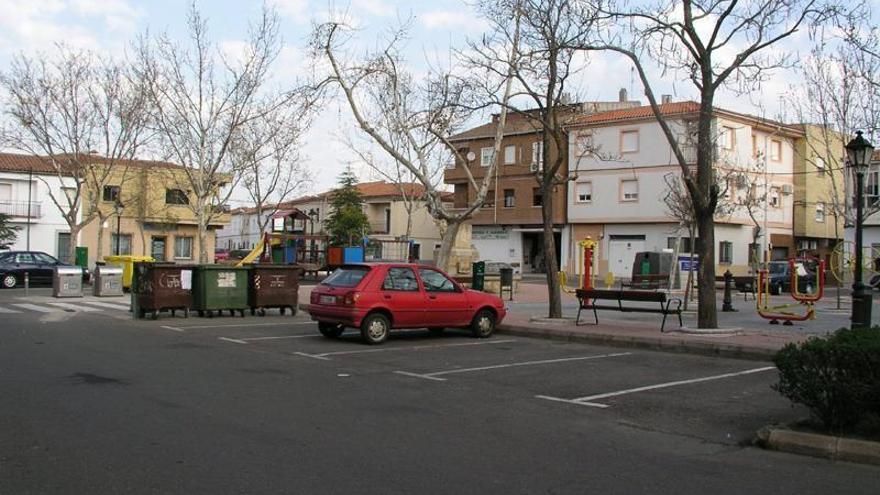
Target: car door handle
(432, 297)
(387, 296)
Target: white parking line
(75, 307)
(236, 341)
(309, 336)
(34, 307)
(433, 376)
(587, 401)
(176, 329)
(411, 348)
(251, 325)
(104, 304)
(6, 310)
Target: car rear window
(347, 276)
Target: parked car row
(379, 297)
(38, 266)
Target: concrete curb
(682, 345)
(817, 445)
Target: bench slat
(621, 295)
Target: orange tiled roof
(15, 162)
(643, 112)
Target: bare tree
(407, 119)
(543, 71)
(712, 45)
(86, 116)
(201, 100)
(267, 152)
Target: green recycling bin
(82, 256)
(478, 271)
(218, 288)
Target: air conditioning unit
(787, 189)
(533, 167)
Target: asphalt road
(93, 402)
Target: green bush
(837, 377)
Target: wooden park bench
(588, 297)
(746, 285)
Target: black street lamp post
(859, 152)
(118, 208)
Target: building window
(509, 155)
(820, 212)
(774, 197)
(489, 200)
(537, 197)
(110, 194)
(755, 150)
(183, 248)
(509, 198)
(872, 187)
(820, 166)
(460, 196)
(629, 141)
(776, 150)
(584, 192)
(176, 197)
(725, 252)
(726, 138)
(486, 155)
(629, 190)
(684, 243)
(461, 158)
(538, 155)
(71, 195)
(124, 244)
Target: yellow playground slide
(254, 254)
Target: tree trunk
(99, 251)
(203, 243)
(554, 296)
(707, 317)
(447, 241)
(71, 249)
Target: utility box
(108, 281)
(67, 281)
(478, 274)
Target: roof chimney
(622, 98)
(666, 99)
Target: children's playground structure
(314, 253)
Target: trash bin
(163, 287)
(478, 273)
(82, 256)
(273, 286)
(216, 288)
(506, 282)
(67, 281)
(108, 281)
(126, 262)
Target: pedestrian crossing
(85, 306)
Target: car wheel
(483, 324)
(10, 281)
(436, 330)
(776, 289)
(330, 330)
(374, 328)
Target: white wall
(44, 229)
(497, 243)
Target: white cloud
(118, 15)
(373, 7)
(296, 10)
(458, 21)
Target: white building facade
(621, 163)
(25, 186)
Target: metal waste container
(126, 262)
(478, 272)
(273, 286)
(67, 281)
(505, 282)
(108, 281)
(163, 287)
(217, 287)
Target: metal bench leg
(595, 313)
(665, 311)
(577, 321)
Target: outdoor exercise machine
(585, 267)
(806, 300)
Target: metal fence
(20, 208)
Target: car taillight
(351, 298)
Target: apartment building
(395, 212)
(27, 185)
(620, 162)
(509, 226)
(156, 218)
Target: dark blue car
(39, 267)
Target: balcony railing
(20, 208)
(378, 228)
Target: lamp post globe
(859, 152)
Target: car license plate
(327, 300)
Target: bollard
(727, 305)
(27, 284)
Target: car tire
(331, 330)
(437, 331)
(483, 324)
(776, 289)
(375, 328)
(9, 281)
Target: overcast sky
(110, 25)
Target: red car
(377, 297)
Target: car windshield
(778, 267)
(348, 276)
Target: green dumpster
(478, 271)
(218, 288)
(82, 256)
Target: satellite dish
(471, 156)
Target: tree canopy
(347, 222)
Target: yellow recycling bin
(126, 262)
